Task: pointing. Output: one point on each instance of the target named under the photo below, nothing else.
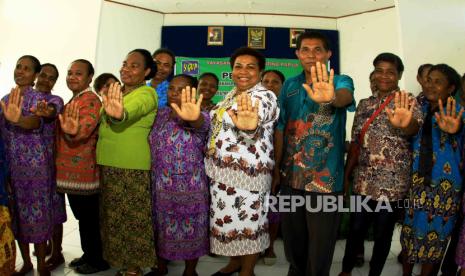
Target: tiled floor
(208, 265)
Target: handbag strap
(373, 117)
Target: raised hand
(69, 121)
(12, 110)
(401, 115)
(190, 108)
(246, 117)
(449, 121)
(323, 87)
(113, 101)
(42, 109)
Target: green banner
(221, 68)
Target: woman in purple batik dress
(179, 183)
(49, 110)
(30, 166)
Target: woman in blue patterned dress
(436, 185)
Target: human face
(272, 82)
(423, 79)
(207, 87)
(164, 66)
(78, 78)
(24, 74)
(246, 72)
(133, 71)
(386, 77)
(107, 84)
(437, 87)
(312, 51)
(175, 89)
(46, 79)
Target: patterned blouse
(385, 159)
(238, 158)
(77, 172)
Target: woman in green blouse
(124, 155)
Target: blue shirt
(162, 92)
(314, 137)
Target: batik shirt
(239, 158)
(162, 92)
(385, 159)
(314, 137)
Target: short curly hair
(246, 51)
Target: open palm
(323, 86)
(113, 101)
(401, 115)
(190, 107)
(246, 117)
(42, 109)
(69, 121)
(12, 110)
(449, 121)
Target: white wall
(123, 29)
(432, 31)
(249, 20)
(362, 37)
(54, 31)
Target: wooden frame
(293, 34)
(215, 36)
(256, 37)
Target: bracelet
(333, 99)
(116, 121)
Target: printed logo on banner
(190, 67)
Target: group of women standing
(135, 175)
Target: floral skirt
(430, 220)
(180, 215)
(7, 243)
(126, 218)
(238, 221)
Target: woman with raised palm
(77, 173)
(123, 152)
(179, 183)
(32, 186)
(436, 188)
(239, 163)
(382, 165)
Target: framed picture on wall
(293, 34)
(256, 38)
(215, 36)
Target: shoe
(89, 269)
(77, 262)
(219, 273)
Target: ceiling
(317, 8)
